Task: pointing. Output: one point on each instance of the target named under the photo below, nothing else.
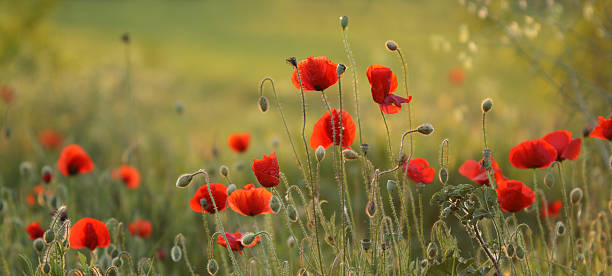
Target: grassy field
(166, 101)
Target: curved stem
(297, 69)
(355, 84)
(405, 69)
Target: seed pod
(46, 268)
(184, 180)
(292, 213)
(520, 252)
(366, 244)
(320, 153)
(275, 204)
(560, 229)
(486, 105)
(231, 188)
(49, 236)
(443, 175)
(391, 45)
(344, 22)
(432, 251)
(576, 196)
(371, 209)
(348, 154)
(224, 170)
(391, 186)
(248, 239)
(291, 243)
(263, 104)
(212, 267)
(39, 245)
(176, 253)
(340, 69)
(425, 129)
(364, 148)
(117, 261)
(549, 179)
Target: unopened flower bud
(176, 253)
(432, 251)
(366, 244)
(49, 236)
(549, 179)
(576, 196)
(275, 204)
(303, 272)
(46, 174)
(520, 252)
(340, 69)
(443, 175)
(224, 170)
(391, 186)
(212, 267)
(39, 245)
(292, 61)
(320, 153)
(46, 268)
(292, 213)
(291, 243)
(109, 249)
(125, 37)
(184, 180)
(231, 188)
(117, 261)
(179, 107)
(344, 21)
(348, 154)
(391, 45)
(486, 105)
(560, 229)
(25, 168)
(364, 148)
(425, 129)
(371, 209)
(510, 251)
(248, 239)
(263, 104)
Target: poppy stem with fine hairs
(395, 48)
(354, 69)
(340, 69)
(566, 205)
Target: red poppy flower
(50, 139)
(604, 129)
(384, 82)
(250, 201)
(46, 176)
(322, 133)
(551, 209)
(456, 76)
(513, 195)
(532, 154)
(129, 175)
(35, 230)
(89, 233)
(239, 142)
(7, 94)
(419, 171)
(219, 192)
(74, 160)
(567, 148)
(140, 227)
(476, 172)
(266, 170)
(316, 73)
(235, 241)
(30, 199)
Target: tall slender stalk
(297, 69)
(355, 82)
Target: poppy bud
(291, 243)
(125, 38)
(520, 252)
(303, 272)
(432, 251)
(364, 148)
(274, 204)
(340, 69)
(49, 236)
(248, 239)
(292, 213)
(424, 264)
(371, 209)
(231, 188)
(343, 21)
(117, 261)
(46, 268)
(391, 45)
(348, 154)
(320, 153)
(586, 131)
(46, 174)
(263, 104)
(391, 186)
(179, 107)
(7, 132)
(109, 249)
(176, 253)
(184, 180)
(443, 175)
(486, 105)
(114, 253)
(212, 267)
(510, 250)
(576, 196)
(224, 170)
(560, 229)
(425, 129)
(549, 179)
(292, 61)
(39, 245)
(25, 168)
(366, 244)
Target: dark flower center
(90, 239)
(73, 169)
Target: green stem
(297, 69)
(355, 84)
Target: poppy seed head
(576, 196)
(320, 153)
(391, 45)
(344, 21)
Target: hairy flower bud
(46, 268)
(248, 239)
(366, 244)
(176, 254)
(425, 129)
(510, 251)
(320, 153)
(291, 243)
(292, 61)
(576, 196)
(117, 261)
(263, 104)
(340, 69)
(292, 213)
(224, 170)
(348, 154)
(364, 148)
(212, 267)
(344, 21)
(486, 105)
(549, 179)
(391, 186)
(371, 209)
(275, 204)
(231, 188)
(39, 245)
(443, 175)
(49, 236)
(520, 252)
(560, 229)
(391, 45)
(184, 180)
